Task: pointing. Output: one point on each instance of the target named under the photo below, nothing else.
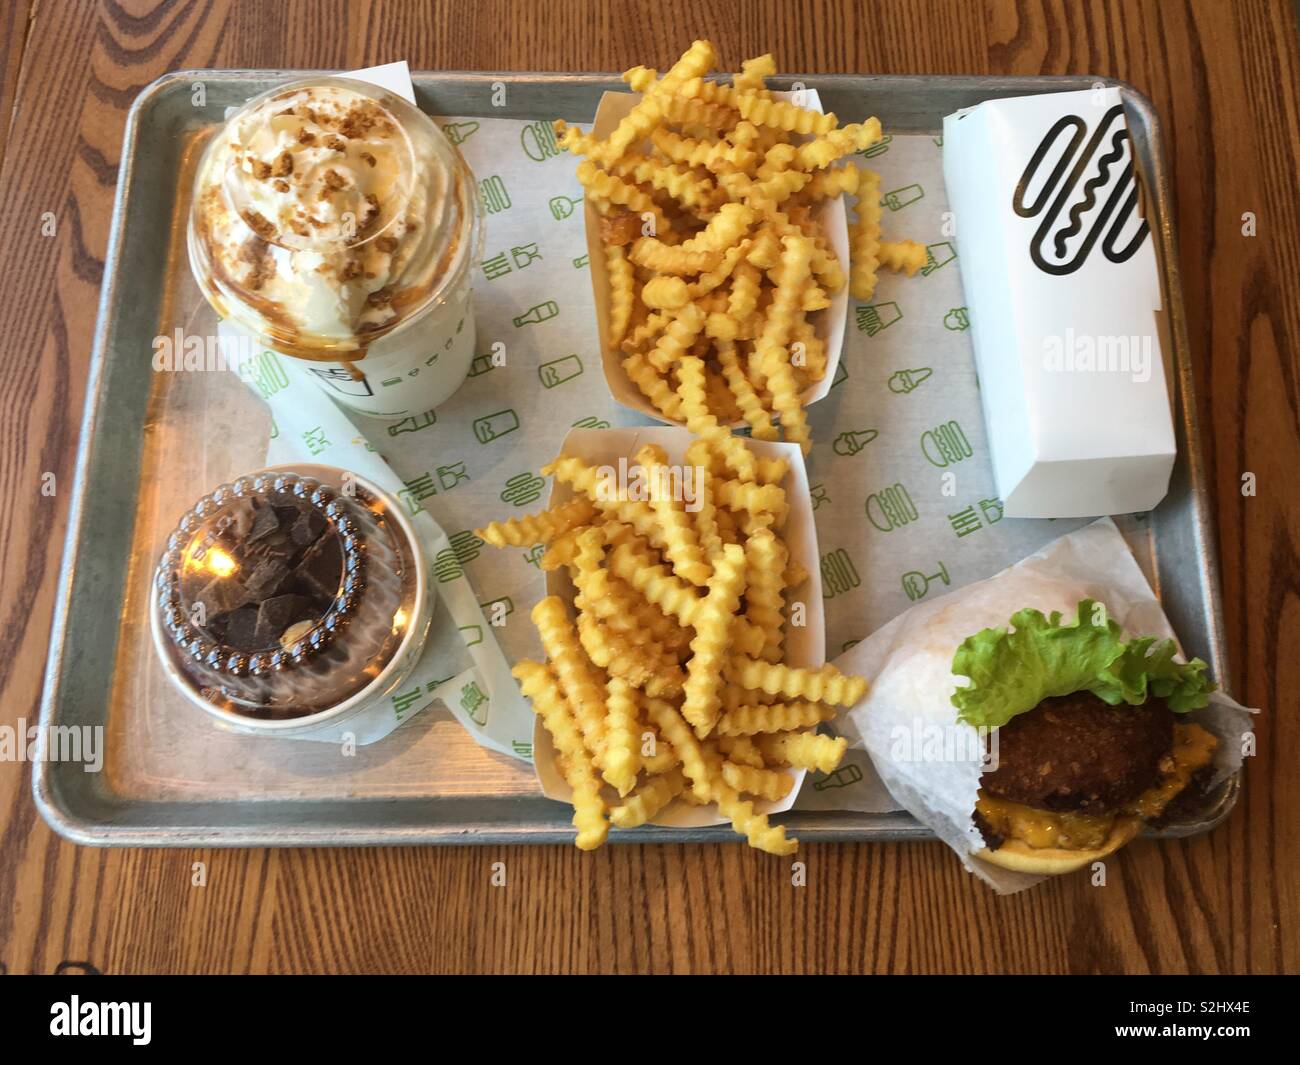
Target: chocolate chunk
(266, 578)
(277, 545)
(321, 567)
(241, 630)
(277, 614)
(307, 528)
(235, 525)
(221, 595)
(265, 523)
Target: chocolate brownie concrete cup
(291, 597)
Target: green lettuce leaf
(1013, 671)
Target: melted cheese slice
(1193, 748)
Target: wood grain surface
(1223, 77)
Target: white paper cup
(356, 263)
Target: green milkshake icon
(494, 426)
(897, 199)
(557, 371)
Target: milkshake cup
(291, 597)
(335, 224)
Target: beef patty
(1077, 753)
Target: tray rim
(812, 825)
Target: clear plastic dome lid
(327, 213)
(280, 596)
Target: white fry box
(829, 323)
(805, 645)
(1060, 275)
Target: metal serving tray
(440, 788)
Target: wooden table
(1223, 77)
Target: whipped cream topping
(326, 213)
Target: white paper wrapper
(829, 323)
(909, 664)
(805, 645)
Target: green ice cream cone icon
(850, 443)
(460, 132)
(904, 381)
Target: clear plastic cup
(334, 223)
(290, 597)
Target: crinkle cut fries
(669, 683)
(709, 197)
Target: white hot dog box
(1059, 268)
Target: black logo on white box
(1062, 245)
